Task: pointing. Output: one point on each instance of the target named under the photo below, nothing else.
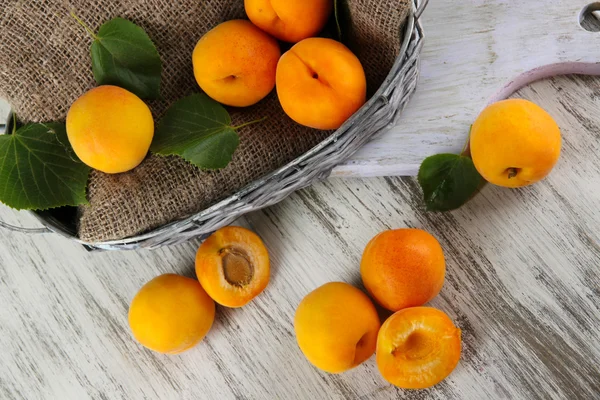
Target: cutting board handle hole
(589, 19)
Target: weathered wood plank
(522, 283)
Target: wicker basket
(379, 113)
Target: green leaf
(123, 55)
(198, 129)
(448, 181)
(38, 171)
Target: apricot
(418, 347)
(110, 129)
(290, 21)
(515, 143)
(171, 314)
(235, 63)
(320, 83)
(336, 327)
(403, 268)
(233, 266)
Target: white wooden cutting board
(477, 51)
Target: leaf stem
(249, 123)
(465, 149)
(336, 13)
(80, 22)
(14, 122)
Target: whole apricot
(289, 20)
(320, 83)
(233, 266)
(235, 63)
(418, 347)
(336, 327)
(110, 129)
(403, 268)
(515, 143)
(171, 314)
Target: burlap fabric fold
(45, 66)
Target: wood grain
(522, 284)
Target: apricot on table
(403, 268)
(289, 20)
(336, 327)
(320, 83)
(171, 314)
(233, 266)
(515, 143)
(110, 129)
(418, 347)
(235, 63)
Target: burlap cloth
(45, 65)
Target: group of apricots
(172, 313)
(513, 143)
(320, 82)
(337, 326)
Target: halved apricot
(418, 347)
(233, 266)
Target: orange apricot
(320, 83)
(289, 20)
(336, 327)
(418, 347)
(403, 268)
(233, 266)
(171, 314)
(235, 63)
(110, 129)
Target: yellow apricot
(336, 327)
(515, 143)
(171, 314)
(110, 129)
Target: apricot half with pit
(418, 347)
(233, 266)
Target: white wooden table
(523, 284)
